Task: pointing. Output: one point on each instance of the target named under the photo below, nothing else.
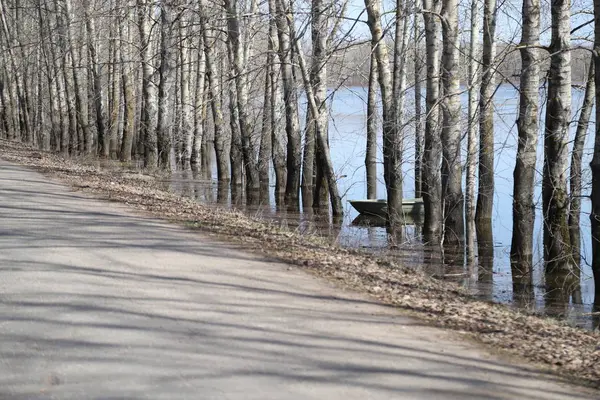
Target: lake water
(490, 279)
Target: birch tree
(485, 197)
(316, 91)
(149, 88)
(391, 140)
(432, 183)
(472, 139)
(284, 20)
(451, 133)
(221, 141)
(576, 157)
(166, 86)
(595, 164)
(521, 250)
(557, 244)
(371, 151)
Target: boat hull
(410, 207)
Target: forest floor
(550, 344)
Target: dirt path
(98, 303)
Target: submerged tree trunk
(308, 159)
(485, 197)
(187, 104)
(395, 153)
(200, 107)
(557, 244)
(595, 164)
(278, 154)
(451, 132)
(220, 140)
(521, 250)
(472, 139)
(576, 156)
(283, 19)
(166, 87)
(392, 156)
(316, 93)
(241, 103)
(418, 67)
(432, 180)
(266, 146)
(149, 92)
(235, 154)
(371, 153)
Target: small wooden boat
(378, 207)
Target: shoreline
(570, 352)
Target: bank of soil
(568, 351)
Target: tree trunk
(485, 198)
(199, 113)
(398, 98)
(392, 156)
(279, 162)
(432, 181)
(236, 156)
(81, 119)
(18, 77)
(309, 162)
(90, 26)
(472, 140)
(576, 156)
(187, 106)
(521, 251)
(265, 149)
(149, 91)
(283, 19)
(595, 164)
(111, 142)
(316, 93)
(128, 95)
(220, 138)
(418, 67)
(371, 152)
(166, 86)
(557, 244)
(451, 132)
(241, 88)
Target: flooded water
(491, 278)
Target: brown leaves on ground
(567, 350)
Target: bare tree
(149, 88)
(221, 141)
(521, 251)
(392, 156)
(595, 164)
(166, 86)
(557, 244)
(371, 153)
(316, 92)
(451, 133)
(485, 197)
(90, 25)
(241, 96)
(284, 19)
(576, 157)
(418, 68)
(472, 139)
(432, 180)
